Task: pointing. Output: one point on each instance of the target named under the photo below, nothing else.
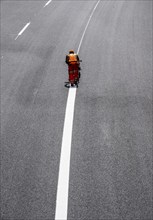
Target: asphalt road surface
(111, 151)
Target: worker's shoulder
(75, 54)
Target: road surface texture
(111, 151)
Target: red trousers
(73, 70)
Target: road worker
(73, 62)
(72, 58)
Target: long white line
(47, 3)
(23, 29)
(64, 167)
(87, 26)
(63, 181)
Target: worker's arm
(77, 58)
(67, 59)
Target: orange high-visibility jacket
(72, 59)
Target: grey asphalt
(111, 158)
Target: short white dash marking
(35, 92)
(64, 167)
(24, 28)
(47, 3)
(16, 37)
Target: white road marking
(63, 181)
(35, 92)
(87, 26)
(64, 167)
(47, 3)
(24, 28)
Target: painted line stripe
(63, 181)
(87, 26)
(47, 3)
(24, 28)
(64, 167)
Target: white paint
(35, 92)
(64, 167)
(47, 3)
(63, 181)
(87, 26)
(24, 28)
